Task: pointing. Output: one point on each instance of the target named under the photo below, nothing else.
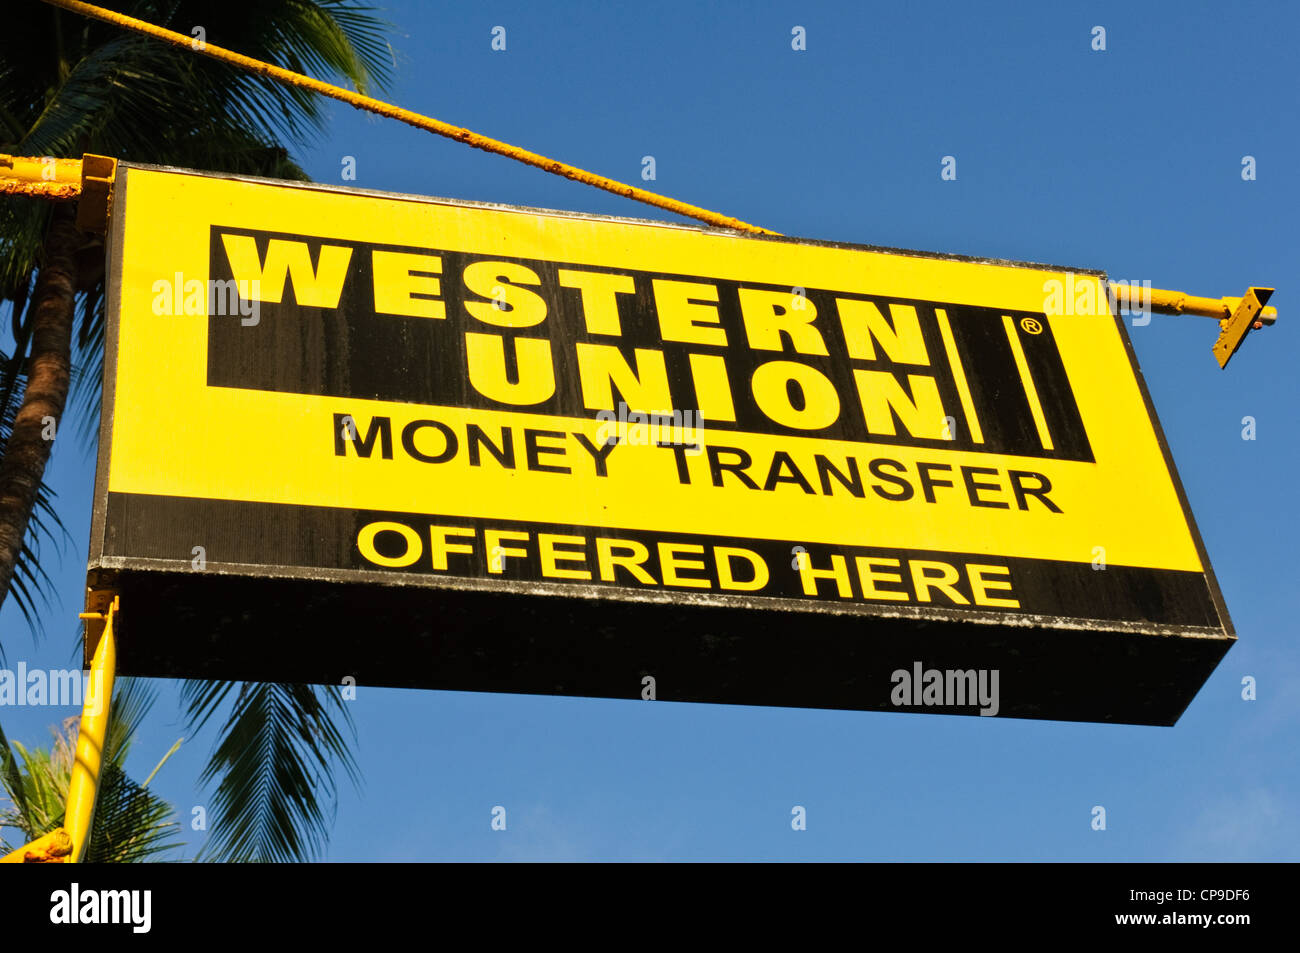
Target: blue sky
(1127, 160)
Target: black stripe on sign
(322, 538)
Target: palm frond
(133, 699)
(22, 227)
(43, 781)
(276, 750)
(30, 588)
(122, 91)
(132, 824)
(10, 777)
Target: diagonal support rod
(83, 789)
(427, 123)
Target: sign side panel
(1210, 579)
(115, 252)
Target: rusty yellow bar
(88, 181)
(1179, 302)
(53, 848)
(41, 176)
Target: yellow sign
(544, 402)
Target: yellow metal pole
(1179, 302)
(83, 789)
(88, 181)
(381, 108)
(41, 177)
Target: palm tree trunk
(22, 465)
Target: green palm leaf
(278, 744)
(132, 824)
(11, 778)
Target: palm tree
(70, 86)
(131, 822)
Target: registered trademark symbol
(1031, 326)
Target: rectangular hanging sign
(422, 442)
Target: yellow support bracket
(1248, 314)
(1237, 316)
(97, 176)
